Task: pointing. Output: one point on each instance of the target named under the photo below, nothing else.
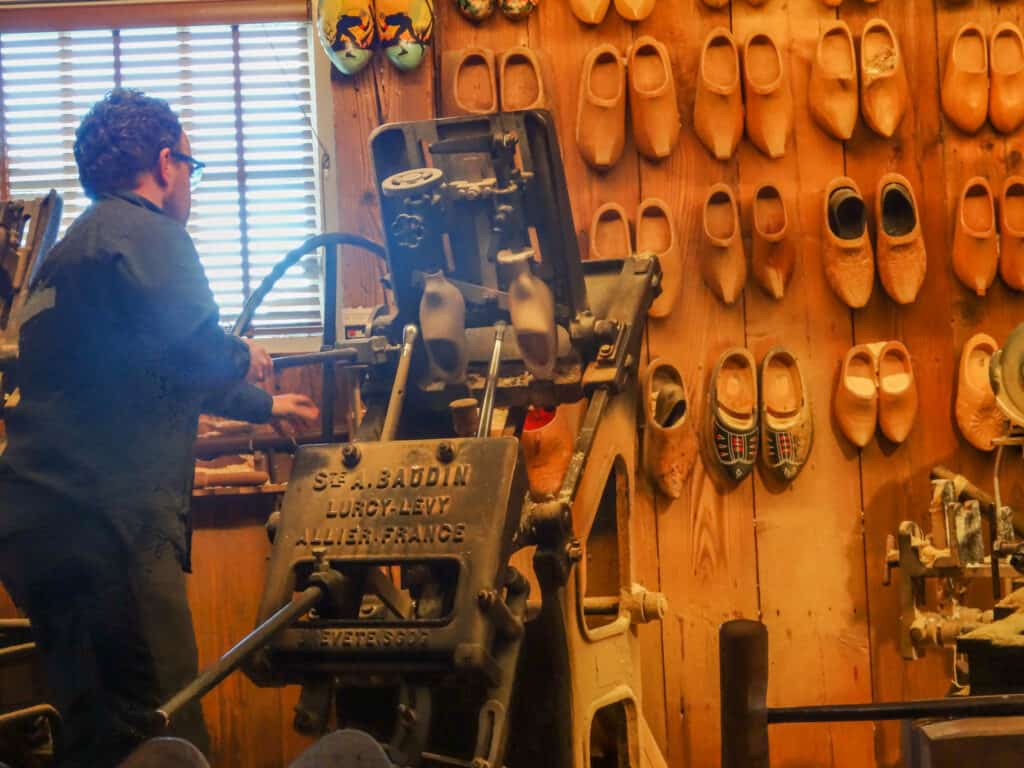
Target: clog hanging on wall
(347, 32)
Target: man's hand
(293, 413)
(261, 367)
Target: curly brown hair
(120, 138)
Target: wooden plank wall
(806, 558)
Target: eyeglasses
(195, 167)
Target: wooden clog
(653, 107)
(832, 91)
(884, 91)
(1011, 233)
(855, 404)
(634, 10)
(773, 253)
(718, 107)
(590, 11)
(443, 325)
(547, 441)
(404, 29)
(733, 424)
(669, 440)
(470, 83)
(723, 262)
(348, 33)
(601, 110)
(531, 307)
(609, 233)
(977, 416)
(965, 86)
(899, 251)
(522, 79)
(1006, 67)
(975, 246)
(656, 234)
(787, 426)
(897, 392)
(846, 254)
(769, 115)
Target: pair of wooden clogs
(478, 10)
(601, 109)
(478, 82)
(899, 251)
(832, 93)
(610, 238)
(984, 78)
(876, 388)
(751, 414)
(350, 30)
(980, 248)
(718, 114)
(723, 261)
(594, 11)
(531, 307)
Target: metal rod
(487, 407)
(397, 400)
(344, 355)
(584, 442)
(966, 706)
(15, 653)
(997, 586)
(37, 710)
(234, 658)
(330, 337)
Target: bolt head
(445, 452)
(350, 455)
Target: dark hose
(291, 258)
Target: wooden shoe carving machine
(400, 593)
(28, 229)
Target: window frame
(35, 16)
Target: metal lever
(251, 643)
(487, 407)
(344, 355)
(397, 401)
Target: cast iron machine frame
(390, 595)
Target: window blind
(245, 98)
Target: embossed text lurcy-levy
(376, 508)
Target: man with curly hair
(120, 350)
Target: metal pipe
(235, 657)
(15, 653)
(487, 407)
(344, 355)
(997, 586)
(965, 706)
(336, 239)
(397, 400)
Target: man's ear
(162, 172)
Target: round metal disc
(1007, 373)
(344, 749)
(416, 180)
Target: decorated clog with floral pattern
(347, 33)
(404, 28)
(475, 10)
(517, 9)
